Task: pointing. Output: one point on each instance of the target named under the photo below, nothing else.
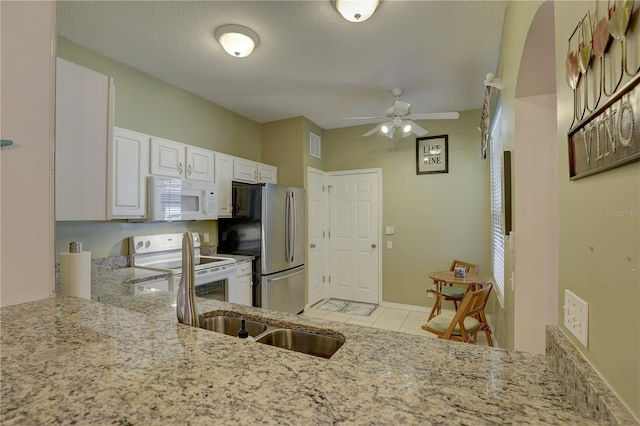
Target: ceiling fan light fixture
(236, 40)
(406, 128)
(356, 10)
(385, 128)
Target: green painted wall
(282, 146)
(437, 217)
(600, 251)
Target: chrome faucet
(186, 307)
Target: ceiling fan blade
(363, 118)
(372, 131)
(435, 116)
(419, 131)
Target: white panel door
(355, 237)
(318, 202)
(200, 164)
(167, 158)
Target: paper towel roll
(75, 274)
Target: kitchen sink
(302, 341)
(231, 325)
(322, 343)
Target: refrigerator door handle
(283, 277)
(292, 233)
(287, 229)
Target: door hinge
(329, 279)
(323, 280)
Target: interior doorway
(355, 234)
(317, 234)
(344, 234)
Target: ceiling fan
(399, 116)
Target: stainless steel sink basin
(302, 341)
(231, 325)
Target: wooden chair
(454, 293)
(464, 324)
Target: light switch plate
(206, 237)
(389, 230)
(389, 245)
(576, 317)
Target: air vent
(315, 145)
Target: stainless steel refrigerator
(268, 222)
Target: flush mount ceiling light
(236, 40)
(356, 10)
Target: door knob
(313, 245)
(373, 245)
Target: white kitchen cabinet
(245, 170)
(200, 164)
(224, 177)
(84, 125)
(128, 171)
(167, 157)
(252, 172)
(267, 173)
(243, 270)
(175, 159)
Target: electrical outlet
(429, 294)
(576, 317)
(389, 245)
(206, 237)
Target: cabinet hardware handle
(313, 245)
(189, 169)
(180, 168)
(373, 245)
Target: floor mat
(344, 306)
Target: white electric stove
(214, 275)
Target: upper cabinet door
(84, 125)
(167, 158)
(200, 164)
(267, 173)
(245, 170)
(224, 176)
(128, 170)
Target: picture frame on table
(432, 154)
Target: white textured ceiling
(310, 61)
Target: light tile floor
(385, 318)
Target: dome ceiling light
(236, 40)
(356, 10)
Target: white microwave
(173, 199)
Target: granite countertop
(126, 360)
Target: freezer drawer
(284, 291)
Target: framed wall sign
(432, 154)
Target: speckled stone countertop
(126, 361)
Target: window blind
(497, 216)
